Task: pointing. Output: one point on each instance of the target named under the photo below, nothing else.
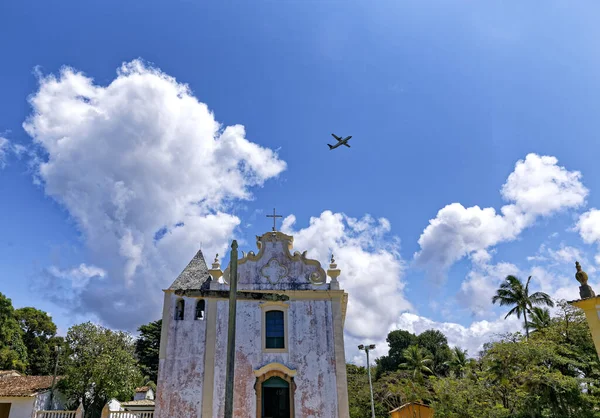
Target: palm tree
(512, 292)
(417, 361)
(540, 318)
(459, 361)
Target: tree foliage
(147, 349)
(513, 293)
(38, 333)
(13, 352)
(555, 373)
(100, 364)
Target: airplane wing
(336, 137)
(346, 144)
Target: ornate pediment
(275, 267)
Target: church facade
(289, 352)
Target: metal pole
(370, 384)
(233, 261)
(57, 350)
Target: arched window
(275, 331)
(200, 309)
(179, 310)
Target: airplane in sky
(340, 141)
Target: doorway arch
(274, 380)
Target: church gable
(275, 267)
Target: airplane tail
(330, 146)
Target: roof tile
(19, 386)
(193, 276)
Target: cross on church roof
(274, 216)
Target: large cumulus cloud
(147, 174)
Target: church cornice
(270, 295)
(224, 294)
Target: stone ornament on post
(585, 290)
(334, 273)
(590, 305)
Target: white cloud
(79, 276)
(477, 290)
(139, 159)
(372, 270)
(588, 227)
(565, 254)
(469, 338)
(4, 148)
(536, 187)
(8, 148)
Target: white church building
(289, 354)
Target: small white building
(143, 400)
(23, 396)
(289, 354)
(144, 392)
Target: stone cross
(273, 270)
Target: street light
(366, 349)
(57, 351)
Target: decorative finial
(332, 264)
(334, 273)
(585, 291)
(215, 272)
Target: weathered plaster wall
(179, 392)
(311, 354)
(42, 401)
(20, 407)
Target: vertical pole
(57, 350)
(370, 384)
(233, 261)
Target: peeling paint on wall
(181, 373)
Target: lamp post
(57, 350)
(366, 349)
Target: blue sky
(442, 100)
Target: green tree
(465, 398)
(512, 292)
(436, 343)
(459, 362)
(147, 348)
(526, 376)
(398, 341)
(100, 365)
(13, 353)
(540, 319)
(417, 361)
(38, 331)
